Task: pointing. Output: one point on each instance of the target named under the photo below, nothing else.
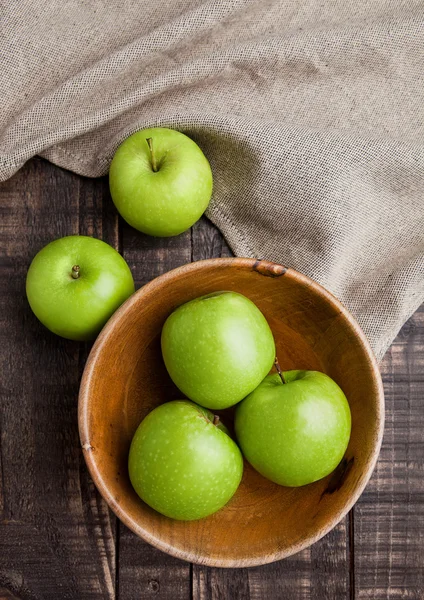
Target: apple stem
(152, 154)
(279, 371)
(215, 420)
(75, 272)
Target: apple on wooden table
(182, 461)
(217, 348)
(294, 428)
(160, 181)
(75, 284)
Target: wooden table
(58, 539)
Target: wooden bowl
(125, 378)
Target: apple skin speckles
(168, 199)
(217, 348)
(294, 433)
(181, 465)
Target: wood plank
(147, 573)
(143, 571)
(321, 572)
(56, 535)
(98, 218)
(389, 518)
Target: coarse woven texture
(311, 114)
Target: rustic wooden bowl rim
(266, 268)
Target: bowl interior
(125, 379)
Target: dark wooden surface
(58, 539)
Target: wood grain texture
(99, 218)
(389, 517)
(56, 536)
(148, 573)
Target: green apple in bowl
(160, 181)
(75, 284)
(217, 348)
(294, 430)
(182, 461)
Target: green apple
(75, 284)
(160, 181)
(217, 348)
(296, 432)
(182, 461)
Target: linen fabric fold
(311, 114)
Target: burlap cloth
(310, 112)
